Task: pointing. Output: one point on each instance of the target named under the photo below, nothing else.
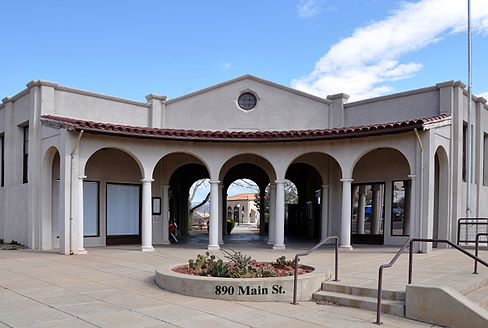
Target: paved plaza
(114, 287)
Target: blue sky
(132, 48)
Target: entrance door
(368, 213)
(123, 214)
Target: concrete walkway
(114, 287)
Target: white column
(376, 210)
(213, 238)
(80, 248)
(361, 209)
(221, 215)
(346, 215)
(324, 202)
(271, 219)
(279, 241)
(411, 209)
(146, 216)
(165, 214)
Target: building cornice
(392, 96)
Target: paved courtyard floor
(114, 287)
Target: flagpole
(470, 137)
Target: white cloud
(225, 66)
(484, 95)
(308, 8)
(364, 63)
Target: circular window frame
(247, 92)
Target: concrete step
(391, 295)
(479, 296)
(362, 302)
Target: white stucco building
(242, 209)
(80, 168)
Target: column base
(213, 247)
(147, 249)
(278, 247)
(345, 248)
(81, 252)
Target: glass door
(368, 213)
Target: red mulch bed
(280, 272)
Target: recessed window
(25, 158)
(247, 101)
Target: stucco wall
(217, 109)
(85, 107)
(398, 108)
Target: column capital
(412, 176)
(82, 177)
(147, 180)
(324, 186)
(280, 181)
(347, 180)
(214, 182)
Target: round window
(247, 101)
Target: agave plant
(240, 260)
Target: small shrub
(281, 263)
(13, 242)
(217, 269)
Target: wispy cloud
(484, 95)
(364, 63)
(308, 8)
(225, 66)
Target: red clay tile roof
(242, 197)
(241, 136)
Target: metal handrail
(336, 274)
(471, 222)
(478, 235)
(410, 242)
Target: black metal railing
(478, 235)
(336, 273)
(469, 227)
(409, 243)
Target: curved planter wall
(272, 289)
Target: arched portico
(115, 199)
(50, 226)
(381, 197)
(441, 222)
(173, 176)
(261, 171)
(317, 177)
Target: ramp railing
(409, 243)
(336, 274)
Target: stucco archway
(173, 176)
(112, 198)
(441, 216)
(380, 197)
(317, 177)
(49, 228)
(258, 169)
